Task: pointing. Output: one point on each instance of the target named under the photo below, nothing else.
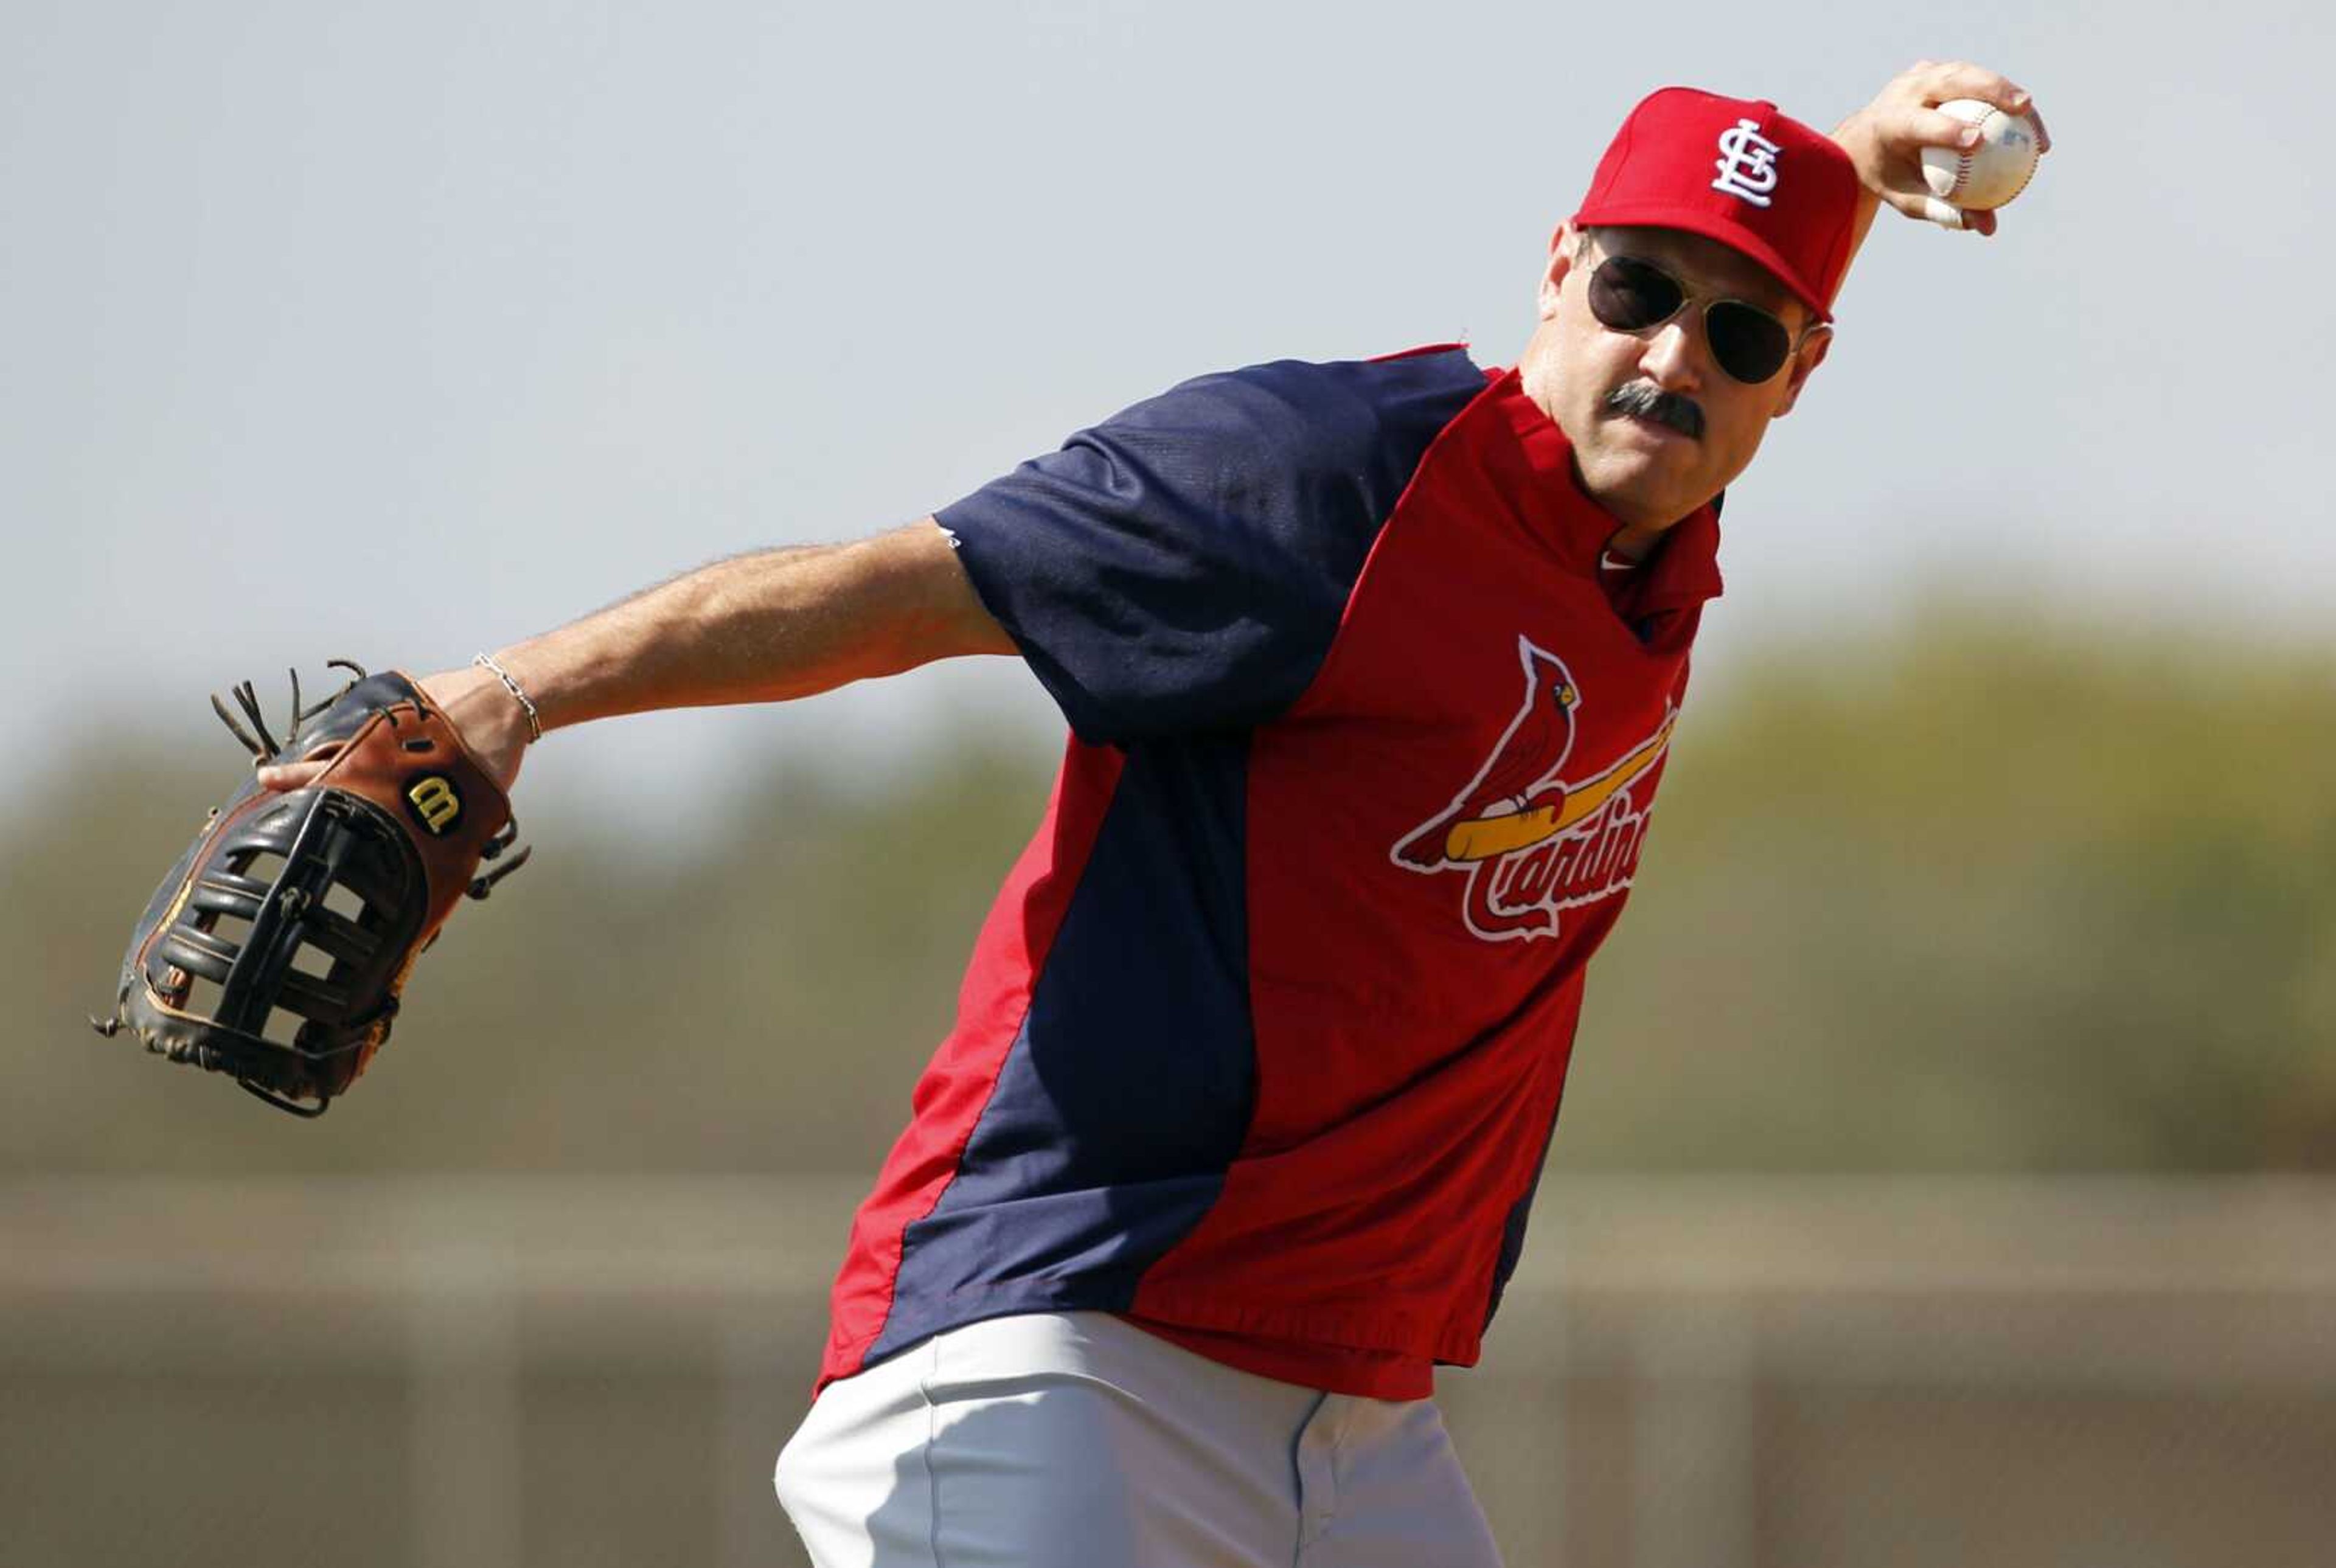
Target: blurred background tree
(1971, 894)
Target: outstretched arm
(1885, 138)
(760, 628)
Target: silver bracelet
(534, 719)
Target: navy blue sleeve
(1182, 566)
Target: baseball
(1994, 171)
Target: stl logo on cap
(1748, 163)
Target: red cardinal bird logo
(1530, 843)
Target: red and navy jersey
(1262, 1043)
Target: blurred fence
(473, 1373)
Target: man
(1371, 669)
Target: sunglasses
(1628, 294)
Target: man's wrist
(493, 726)
(510, 682)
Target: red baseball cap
(1736, 171)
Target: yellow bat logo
(1487, 837)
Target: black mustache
(1644, 400)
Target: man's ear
(1561, 246)
(1805, 359)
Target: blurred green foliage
(1968, 895)
(1981, 896)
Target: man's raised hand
(1885, 138)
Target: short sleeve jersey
(1262, 1042)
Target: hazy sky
(396, 330)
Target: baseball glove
(276, 949)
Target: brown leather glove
(276, 949)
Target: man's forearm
(780, 623)
(761, 628)
(1869, 206)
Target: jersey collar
(1683, 570)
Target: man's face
(1606, 389)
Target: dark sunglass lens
(1627, 295)
(1749, 343)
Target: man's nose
(1673, 359)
